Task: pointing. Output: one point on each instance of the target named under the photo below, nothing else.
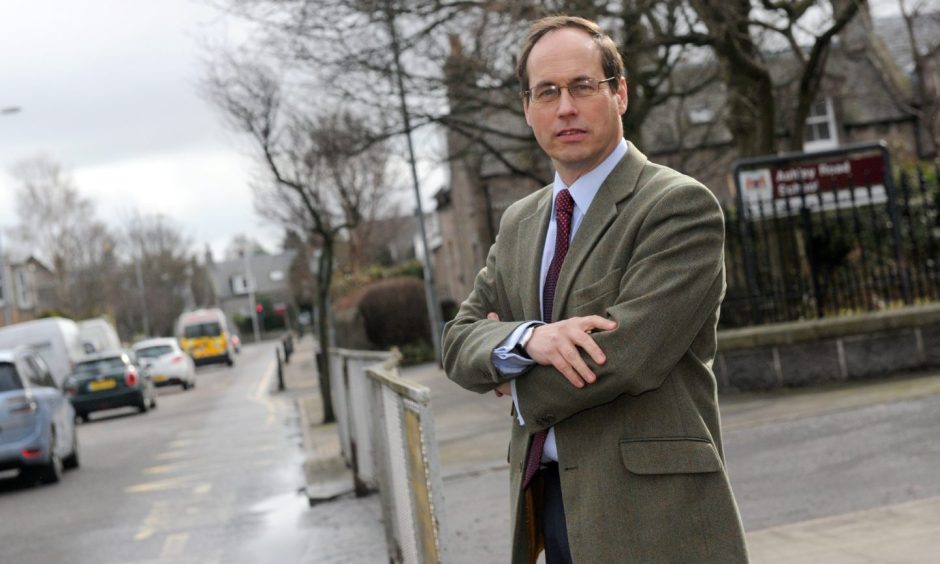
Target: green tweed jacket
(641, 462)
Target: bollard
(280, 371)
(288, 348)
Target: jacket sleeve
(673, 282)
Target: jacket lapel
(618, 186)
(531, 240)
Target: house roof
(261, 267)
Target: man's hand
(557, 344)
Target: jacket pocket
(593, 299)
(669, 455)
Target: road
(211, 475)
(839, 449)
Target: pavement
(472, 433)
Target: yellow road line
(174, 545)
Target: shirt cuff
(507, 362)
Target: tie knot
(564, 204)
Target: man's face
(577, 133)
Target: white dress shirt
(582, 191)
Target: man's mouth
(570, 133)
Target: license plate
(159, 378)
(99, 385)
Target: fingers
(561, 344)
(593, 323)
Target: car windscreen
(207, 329)
(112, 365)
(9, 379)
(155, 351)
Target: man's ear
(525, 110)
(624, 99)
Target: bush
(416, 353)
(395, 313)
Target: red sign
(833, 182)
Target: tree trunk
(751, 108)
(324, 275)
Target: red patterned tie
(564, 205)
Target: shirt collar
(585, 188)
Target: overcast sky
(108, 88)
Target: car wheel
(72, 461)
(229, 360)
(83, 417)
(51, 472)
(144, 405)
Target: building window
(239, 284)
(276, 275)
(820, 133)
(24, 295)
(701, 116)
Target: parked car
(37, 422)
(165, 362)
(109, 380)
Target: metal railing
(354, 409)
(819, 254)
(386, 432)
(406, 457)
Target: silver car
(37, 422)
(165, 362)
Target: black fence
(824, 253)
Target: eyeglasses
(580, 88)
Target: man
(597, 311)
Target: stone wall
(829, 350)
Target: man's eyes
(580, 88)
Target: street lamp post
(430, 290)
(250, 282)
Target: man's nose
(566, 105)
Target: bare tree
(157, 272)
(322, 174)
(59, 225)
(921, 25)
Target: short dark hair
(611, 61)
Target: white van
(98, 335)
(56, 340)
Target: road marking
(170, 455)
(265, 384)
(164, 469)
(159, 485)
(174, 545)
(262, 395)
(181, 443)
(144, 533)
(202, 489)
